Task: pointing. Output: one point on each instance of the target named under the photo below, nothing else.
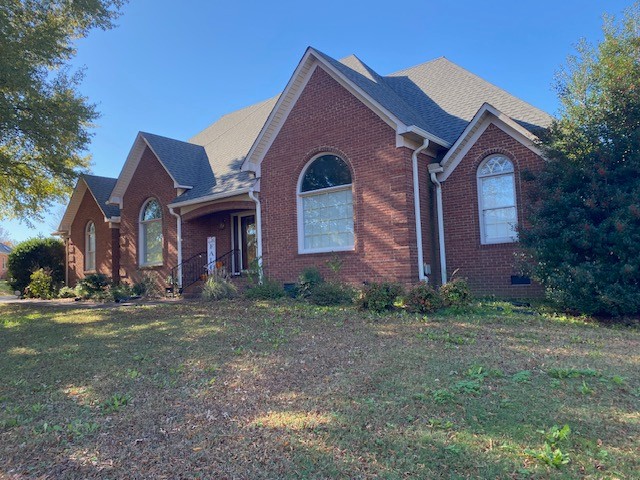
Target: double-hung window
(497, 200)
(325, 206)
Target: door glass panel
(249, 240)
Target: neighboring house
(5, 250)
(405, 177)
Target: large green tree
(584, 235)
(44, 122)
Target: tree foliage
(584, 235)
(44, 121)
(32, 255)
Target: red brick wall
(89, 211)
(150, 180)
(196, 231)
(4, 262)
(488, 267)
(327, 118)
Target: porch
(217, 239)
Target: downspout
(416, 207)
(252, 196)
(434, 169)
(179, 235)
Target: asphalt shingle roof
(5, 248)
(101, 188)
(183, 160)
(437, 96)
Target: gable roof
(435, 100)
(5, 248)
(100, 189)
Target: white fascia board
(485, 116)
(424, 134)
(209, 198)
(73, 205)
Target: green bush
(379, 297)
(456, 293)
(307, 280)
(267, 290)
(122, 291)
(31, 255)
(217, 288)
(423, 298)
(68, 292)
(41, 285)
(148, 286)
(94, 286)
(331, 293)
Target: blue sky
(173, 68)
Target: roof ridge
(170, 138)
(259, 105)
(433, 60)
(97, 176)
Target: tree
(584, 236)
(44, 121)
(31, 255)
(5, 237)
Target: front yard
(259, 390)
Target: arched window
(90, 247)
(497, 200)
(325, 206)
(151, 233)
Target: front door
(245, 242)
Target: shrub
(94, 286)
(331, 293)
(456, 293)
(147, 287)
(120, 292)
(307, 280)
(423, 298)
(217, 288)
(41, 285)
(267, 290)
(379, 297)
(33, 254)
(68, 292)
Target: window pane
(496, 165)
(152, 242)
(500, 223)
(328, 220)
(498, 191)
(326, 171)
(152, 211)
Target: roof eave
(208, 198)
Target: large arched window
(325, 206)
(151, 233)
(90, 247)
(497, 200)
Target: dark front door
(245, 242)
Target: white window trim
(495, 241)
(142, 244)
(87, 244)
(300, 209)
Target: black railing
(196, 268)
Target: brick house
(405, 177)
(5, 250)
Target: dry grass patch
(285, 390)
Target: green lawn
(262, 390)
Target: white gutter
(252, 196)
(179, 235)
(209, 198)
(434, 169)
(416, 207)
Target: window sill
(500, 241)
(327, 250)
(89, 272)
(150, 266)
